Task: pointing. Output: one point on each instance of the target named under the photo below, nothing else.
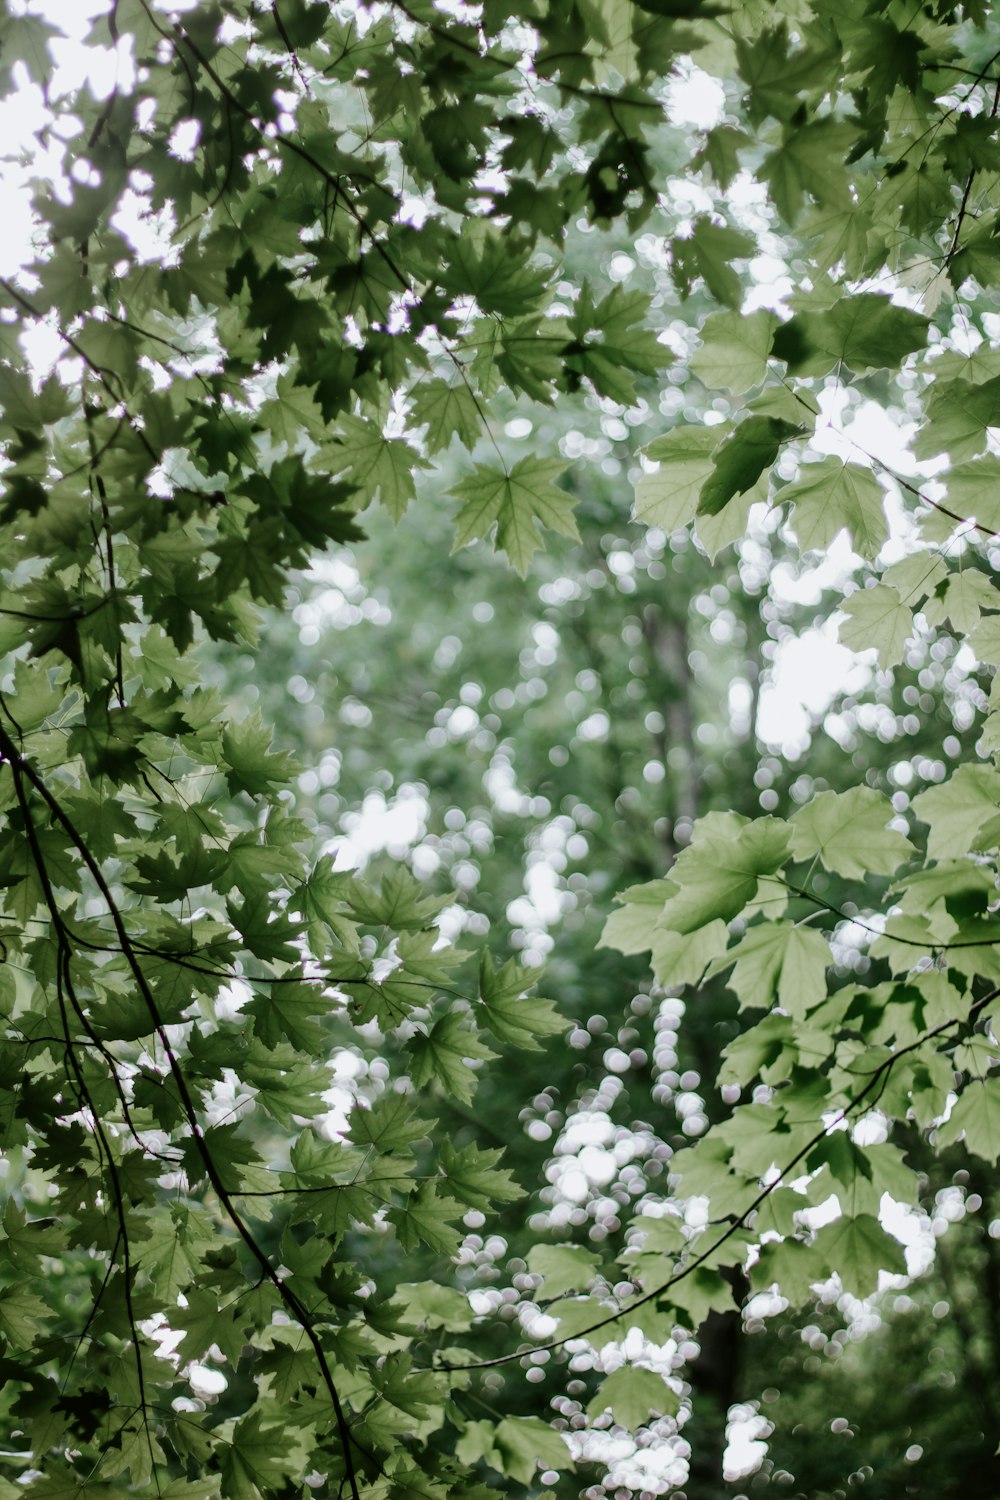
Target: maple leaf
(511, 1015)
(448, 1053)
(866, 331)
(522, 1443)
(962, 812)
(254, 1463)
(249, 764)
(447, 411)
(519, 501)
(809, 162)
(633, 1395)
(778, 959)
(565, 1268)
(378, 467)
(483, 264)
(709, 252)
(831, 496)
(848, 832)
(668, 497)
(858, 1248)
(734, 351)
(741, 459)
(21, 1314)
(472, 1175)
(612, 342)
(977, 1116)
(717, 875)
(720, 153)
(428, 1218)
(877, 617)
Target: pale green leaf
(717, 876)
(831, 496)
(447, 411)
(564, 1268)
(633, 1395)
(864, 330)
(630, 928)
(682, 958)
(668, 497)
(525, 1443)
(959, 811)
(734, 350)
(778, 960)
(961, 600)
(847, 831)
(877, 618)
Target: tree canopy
(710, 382)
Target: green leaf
(717, 876)
(848, 833)
(630, 928)
(632, 1395)
(565, 1268)
(524, 1443)
(720, 153)
(509, 1013)
(734, 351)
(741, 459)
(682, 958)
(857, 1249)
(831, 496)
(709, 252)
(612, 342)
(974, 490)
(293, 411)
(249, 765)
(977, 1115)
(778, 68)
(380, 468)
(482, 263)
(400, 901)
(472, 1175)
(866, 331)
(961, 811)
(447, 411)
(435, 1306)
(254, 1463)
(24, 39)
(668, 497)
(985, 640)
(878, 618)
(390, 1124)
(206, 1324)
(21, 1314)
(795, 1268)
(519, 502)
(427, 1217)
(779, 960)
(448, 1053)
(962, 598)
(809, 163)
(959, 415)
(25, 1241)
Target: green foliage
(362, 250)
